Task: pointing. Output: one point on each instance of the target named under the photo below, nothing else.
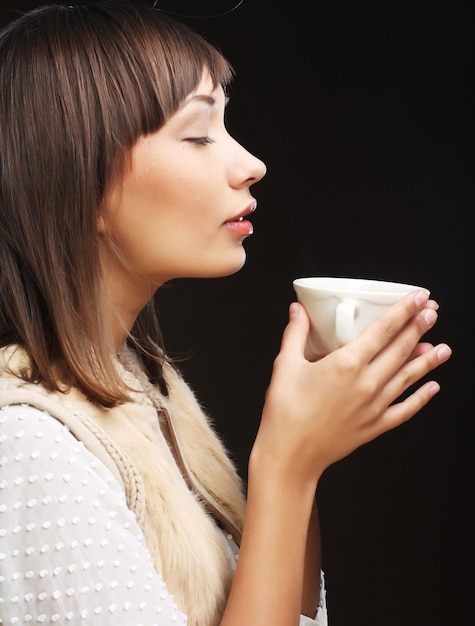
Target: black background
(363, 113)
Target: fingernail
(430, 316)
(434, 388)
(443, 353)
(421, 297)
(294, 310)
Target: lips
(247, 211)
(240, 226)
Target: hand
(317, 413)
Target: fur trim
(185, 542)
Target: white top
(71, 551)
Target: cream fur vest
(174, 469)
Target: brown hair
(78, 86)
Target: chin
(238, 265)
(227, 269)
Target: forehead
(205, 91)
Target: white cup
(341, 308)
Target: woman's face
(180, 207)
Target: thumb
(294, 338)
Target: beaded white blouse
(71, 551)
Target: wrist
(279, 484)
(278, 465)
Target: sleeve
(321, 618)
(71, 552)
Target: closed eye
(200, 141)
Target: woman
(119, 503)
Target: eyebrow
(202, 97)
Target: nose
(245, 168)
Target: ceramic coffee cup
(341, 308)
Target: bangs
(91, 79)
(148, 64)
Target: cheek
(159, 200)
(192, 204)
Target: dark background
(363, 113)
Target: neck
(123, 304)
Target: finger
(397, 355)
(400, 412)
(294, 338)
(421, 348)
(389, 324)
(415, 369)
(409, 374)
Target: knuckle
(368, 388)
(406, 350)
(406, 377)
(348, 360)
(388, 327)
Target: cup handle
(344, 320)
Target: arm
(314, 415)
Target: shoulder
(24, 422)
(35, 444)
